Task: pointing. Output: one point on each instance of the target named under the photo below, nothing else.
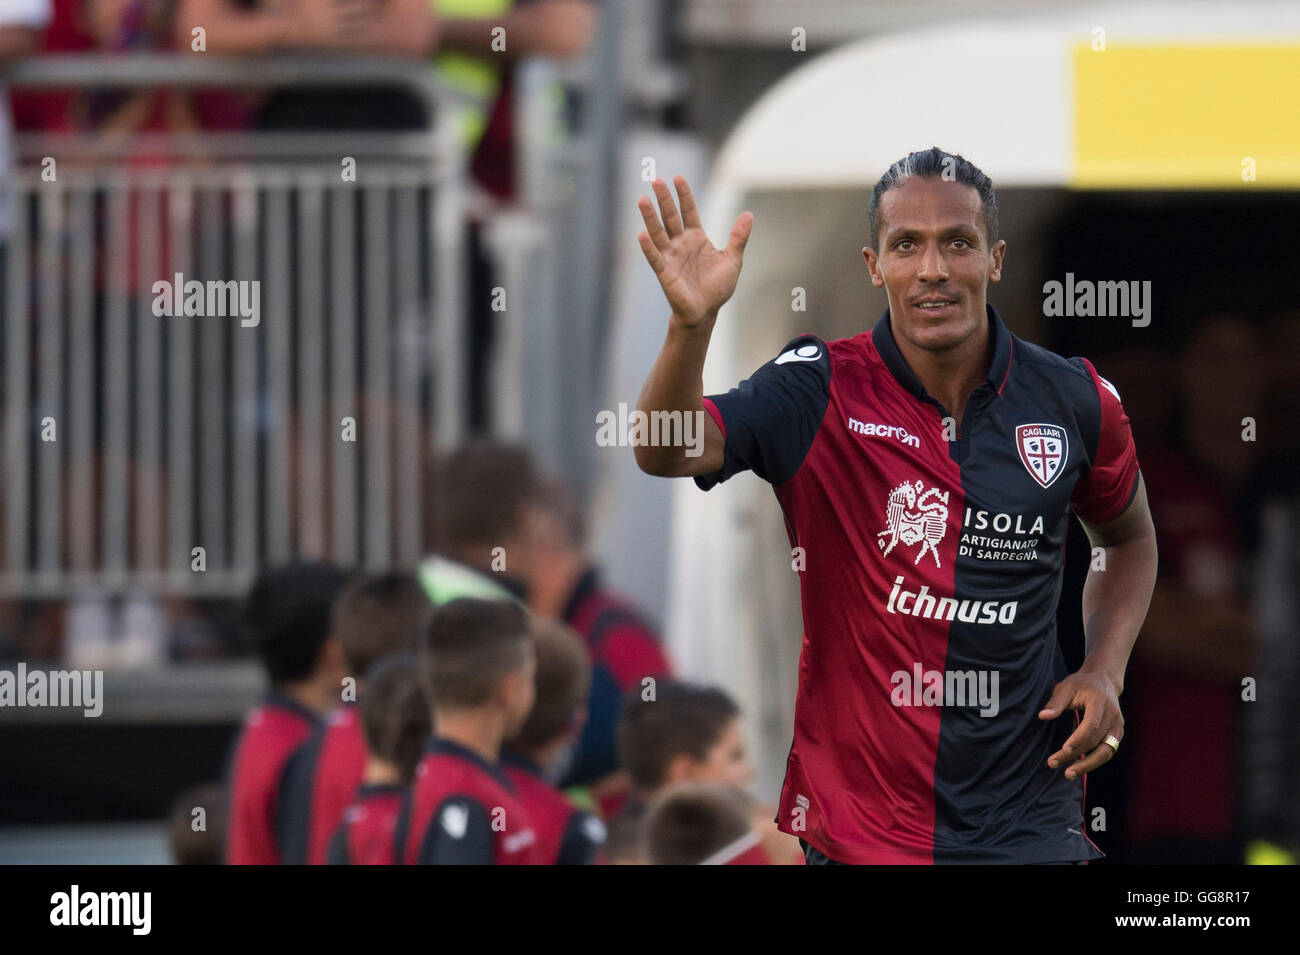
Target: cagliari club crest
(915, 516)
(1043, 449)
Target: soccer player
(926, 468)
(477, 666)
(373, 618)
(395, 717)
(287, 616)
(542, 749)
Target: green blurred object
(1260, 852)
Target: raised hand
(696, 277)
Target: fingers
(652, 254)
(740, 238)
(1086, 735)
(1059, 700)
(667, 208)
(1099, 756)
(654, 228)
(690, 214)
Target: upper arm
(459, 833)
(1134, 522)
(769, 421)
(1111, 484)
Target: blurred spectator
(395, 715)
(482, 491)
(287, 617)
(536, 757)
(372, 618)
(392, 27)
(684, 733)
(21, 23)
(702, 824)
(51, 110)
(477, 666)
(198, 826)
(563, 583)
(1197, 643)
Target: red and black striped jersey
(929, 555)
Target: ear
(873, 266)
(999, 249)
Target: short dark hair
(563, 682)
(287, 616)
(395, 714)
(691, 821)
(682, 718)
(379, 615)
(471, 646)
(482, 488)
(934, 163)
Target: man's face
(934, 262)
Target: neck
(480, 729)
(318, 699)
(951, 375)
(544, 756)
(380, 773)
(552, 585)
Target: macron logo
(802, 353)
(885, 431)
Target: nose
(933, 267)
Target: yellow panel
(1178, 117)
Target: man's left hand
(1086, 749)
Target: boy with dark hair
(395, 718)
(286, 617)
(540, 752)
(684, 733)
(477, 665)
(702, 824)
(372, 618)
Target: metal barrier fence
(133, 437)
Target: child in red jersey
(395, 717)
(373, 618)
(287, 616)
(539, 754)
(699, 823)
(477, 664)
(684, 733)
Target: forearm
(230, 30)
(675, 383)
(406, 28)
(1115, 603)
(558, 28)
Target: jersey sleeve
(460, 833)
(1110, 485)
(584, 834)
(770, 419)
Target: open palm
(696, 277)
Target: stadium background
(1123, 163)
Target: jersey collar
(882, 336)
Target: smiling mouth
(934, 306)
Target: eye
(902, 242)
(964, 243)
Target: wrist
(693, 324)
(1115, 679)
